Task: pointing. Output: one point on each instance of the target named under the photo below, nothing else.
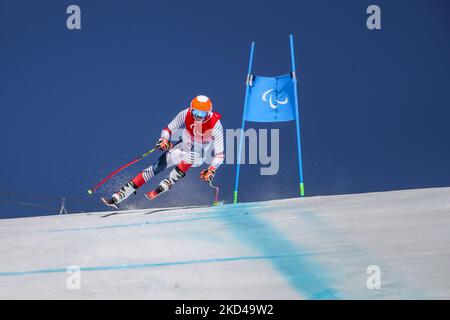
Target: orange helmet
(202, 103)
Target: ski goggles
(199, 113)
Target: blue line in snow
(153, 265)
(304, 276)
(213, 214)
(127, 225)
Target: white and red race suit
(196, 139)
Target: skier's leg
(153, 170)
(188, 159)
(175, 174)
(167, 159)
(139, 180)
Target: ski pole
(91, 191)
(216, 197)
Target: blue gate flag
(271, 99)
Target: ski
(110, 214)
(153, 211)
(153, 194)
(163, 186)
(109, 204)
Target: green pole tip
(89, 191)
(302, 190)
(235, 194)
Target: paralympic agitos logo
(273, 103)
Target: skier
(202, 129)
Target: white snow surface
(303, 248)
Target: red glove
(163, 144)
(207, 175)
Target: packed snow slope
(304, 248)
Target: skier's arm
(207, 175)
(217, 137)
(176, 123)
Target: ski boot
(127, 190)
(166, 184)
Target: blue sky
(374, 105)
